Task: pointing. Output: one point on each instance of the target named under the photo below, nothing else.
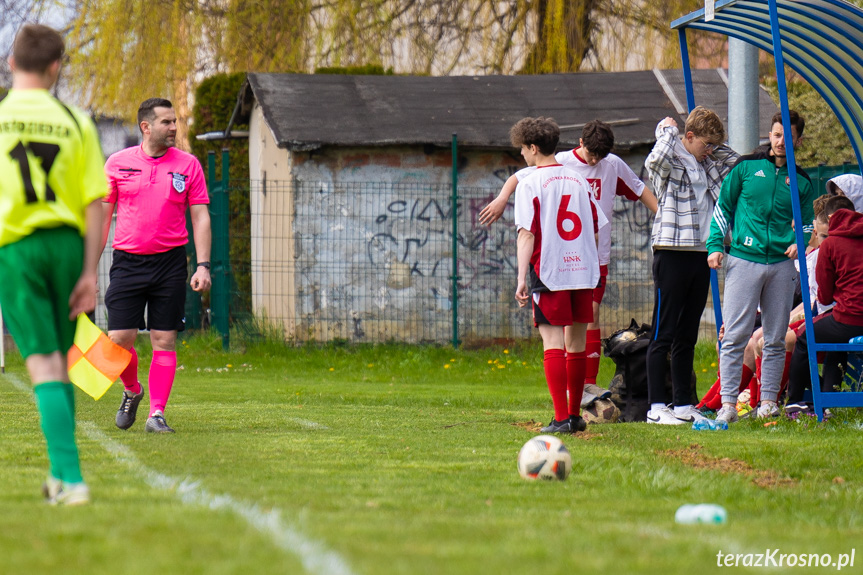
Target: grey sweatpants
(747, 285)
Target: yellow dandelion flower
(489, 361)
(713, 364)
(506, 351)
(370, 365)
(332, 369)
(446, 366)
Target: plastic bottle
(706, 513)
(701, 424)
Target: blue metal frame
(824, 71)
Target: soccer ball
(544, 457)
(601, 411)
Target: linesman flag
(95, 362)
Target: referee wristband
(204, 265)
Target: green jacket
(755, 204)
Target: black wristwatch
(204, 265)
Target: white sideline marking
(313, 554)
(307, 424)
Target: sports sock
(576, 365)
(712, 399)
(554, 362)
(755, 388)
(656, 406)
(784, 383)
(129, 377)
(593, 352)
(745, 378)
(162, 372)
(57, 417)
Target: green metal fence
(383, 261)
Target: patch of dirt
(693, 456)
(535, 427)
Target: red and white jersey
(609, 178)
(555, 205)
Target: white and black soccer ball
(544, 457)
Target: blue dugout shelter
(822, 40)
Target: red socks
(713, 398)
(129, 377)
(162, 372)
(576, 365)
(554, 362)
(592, 352)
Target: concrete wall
(356, 244)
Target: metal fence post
(454, 213)
(220, 296)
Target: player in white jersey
(558, 263)
(609, 176)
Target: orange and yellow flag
(95, 362)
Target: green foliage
(824, 138)
(215, 100)
(367, 70)
(398, 464)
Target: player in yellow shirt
(51, 187)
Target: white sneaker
(69, 494)
(663, 416)
(689, 415)
(767, 409)
(728, 414)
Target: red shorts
(599, 290)
(563, 307)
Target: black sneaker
(577, 423)
(557, 426)
(128, 409)
(156, 424)
(796, 410)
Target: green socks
(56, 404)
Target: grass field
(396, 459)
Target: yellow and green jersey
(51, 165)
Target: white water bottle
(708, 513)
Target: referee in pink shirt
(152, 185)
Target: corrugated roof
(822, 40)
(309, 111)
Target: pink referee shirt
(152, 195)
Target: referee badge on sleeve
(179, 182)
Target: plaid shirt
(676, 223)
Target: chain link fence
(372, 262)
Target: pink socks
(162, 372)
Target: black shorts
(157, 281)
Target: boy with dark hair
(50, 226)
(608, 176)
(558, 265)
(839, 275)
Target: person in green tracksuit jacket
(754, 206)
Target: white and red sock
(576, 363)
(554, 362)
(592, 353)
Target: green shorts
(40, 272)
